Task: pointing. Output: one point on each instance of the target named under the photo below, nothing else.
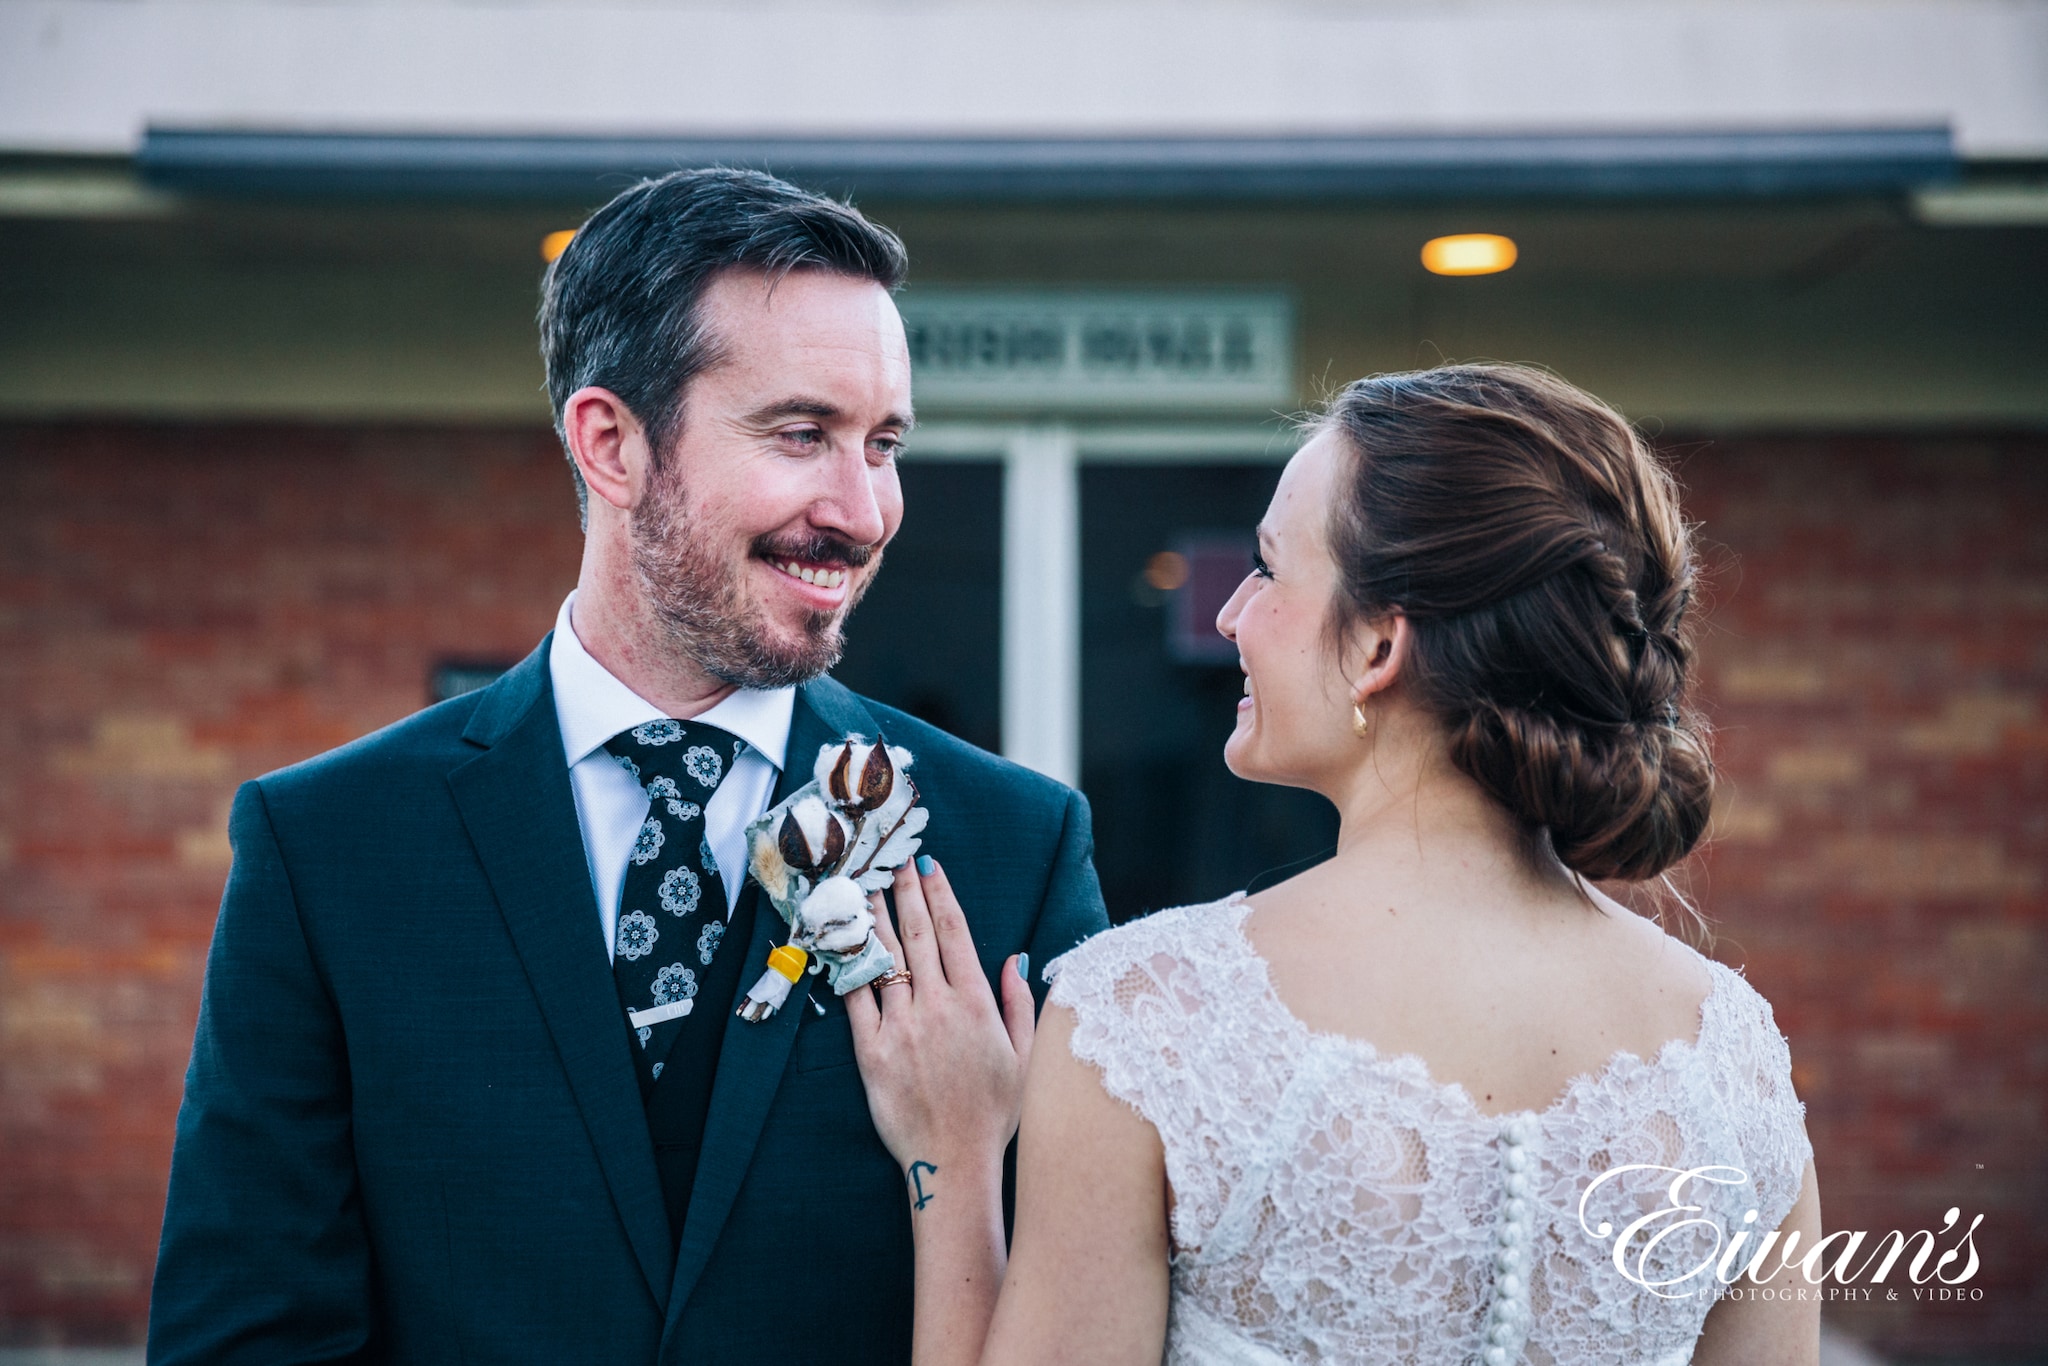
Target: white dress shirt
(592, 705)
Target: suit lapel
(751, 1062)
(516, 802)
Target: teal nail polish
(925, 866)
(1024, 966)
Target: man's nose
(848, 503)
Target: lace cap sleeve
(1753, 1078)
(1161, 1013)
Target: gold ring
(891, 978)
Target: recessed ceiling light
(555, 243)
(1468, 253)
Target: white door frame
(1041, 608)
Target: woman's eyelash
(1260, 567)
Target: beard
(700, 602)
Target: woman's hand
(944, 1070)
(942, 1063)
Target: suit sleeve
(1073, 908)
(264, 1257)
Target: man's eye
(889, 446)
(804, 436)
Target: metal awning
(1728, 163)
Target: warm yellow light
(555, 243)
(1167, 570)
(1468, 253)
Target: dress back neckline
(1333, 1203)
(1672, 1055)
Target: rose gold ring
(891, 978)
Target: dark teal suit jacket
(411, 1131)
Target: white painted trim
(1058, 351)
(955, 441)
(87, 77)
(1041, 663)
(1992, 204)
(1041, 603)
(1150, 443)
(1208, 443)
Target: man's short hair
(619, 308)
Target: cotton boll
(857, 775)
(813, 835)
(878, 825)
(834, 918)
(838, 768)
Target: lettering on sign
(1101, 350)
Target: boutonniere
(819, 853)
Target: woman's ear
(608, 445)
(1380, 648)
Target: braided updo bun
(1536, 547)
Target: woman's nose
(1226, 620)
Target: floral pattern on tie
(672, 901)
(680, 891)
(657, 733)
(674, 983)
(637, 933)
(664, 790)
(703, 764)
(708, 939)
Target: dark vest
(681, 1099)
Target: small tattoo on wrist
(916, 1174)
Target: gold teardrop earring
(1360, 726)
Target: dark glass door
(1161, 547)
(928, 636)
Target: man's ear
(1378, 651)
(608, 445)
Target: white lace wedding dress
(1334, 1205)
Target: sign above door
(1143, 350)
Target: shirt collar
(592, 705)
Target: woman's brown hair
(1534, 543)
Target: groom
(467, 1084)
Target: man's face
(767, 521)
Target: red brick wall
(181, 608)
(1876, 662)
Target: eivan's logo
(1734, 1258)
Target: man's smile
(822, 576)
(820, 571)
(815, 585)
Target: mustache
(819, 547)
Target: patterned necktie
(672, 908)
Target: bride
(1363, 1116)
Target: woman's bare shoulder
(1161, 933)
(1652, 953)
